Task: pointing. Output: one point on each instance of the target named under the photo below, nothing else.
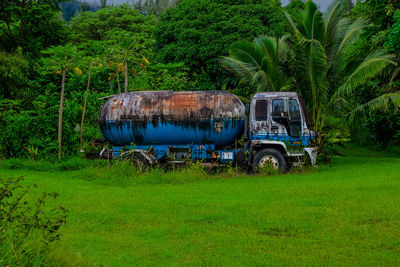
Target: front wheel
(270, 157)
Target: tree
(31, 25)
(61, 57)
(84, 105)
(393, 40)
(13, 75)
(125, 47)
(119, 34)
(103, 3)
(319, 65)
(378, 12)
(71, 9)
(99, 26)
(153, 7)
(197, 33)
(326, 76)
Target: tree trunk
(84, 105)
(61, 112)
(9, 33)
(119, 86)
(22, 25)
(126, 77)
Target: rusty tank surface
(167, 117)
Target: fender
(312, 153)
(269, 142)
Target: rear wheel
(271, 158)
(137, 159)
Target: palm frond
(372, 65)
(260, 81)
(310, 65)
(291, 22)
(394, 74)
(238, 68)
(244, 61)
(380, 103)
(256, 63)
(336, 36)
(314, 63)
(268, 45)
(331, 17)
(248, 53)
(352, 33)
(310, 8)
(318, 27)
(283, 48)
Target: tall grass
(125, 173)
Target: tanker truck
(213, 127)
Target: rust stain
(179, 105)
(184, 107)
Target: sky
(323, 4)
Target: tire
(136, 159)
(273, 157)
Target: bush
(50, 164)
(12, 164)
(27, 228)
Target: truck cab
(280, 130)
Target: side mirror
(247, 108)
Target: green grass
(347, 213)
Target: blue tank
(170, 118)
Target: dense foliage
(178, 45)
(197, 33)
(378, 127)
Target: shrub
(50, 164)
(27, 228)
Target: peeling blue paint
(128, 132)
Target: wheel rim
(269, 160)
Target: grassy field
(347, 213)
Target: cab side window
(278, 112)
(261, 110)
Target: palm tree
(325, 74)
(321, 70)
